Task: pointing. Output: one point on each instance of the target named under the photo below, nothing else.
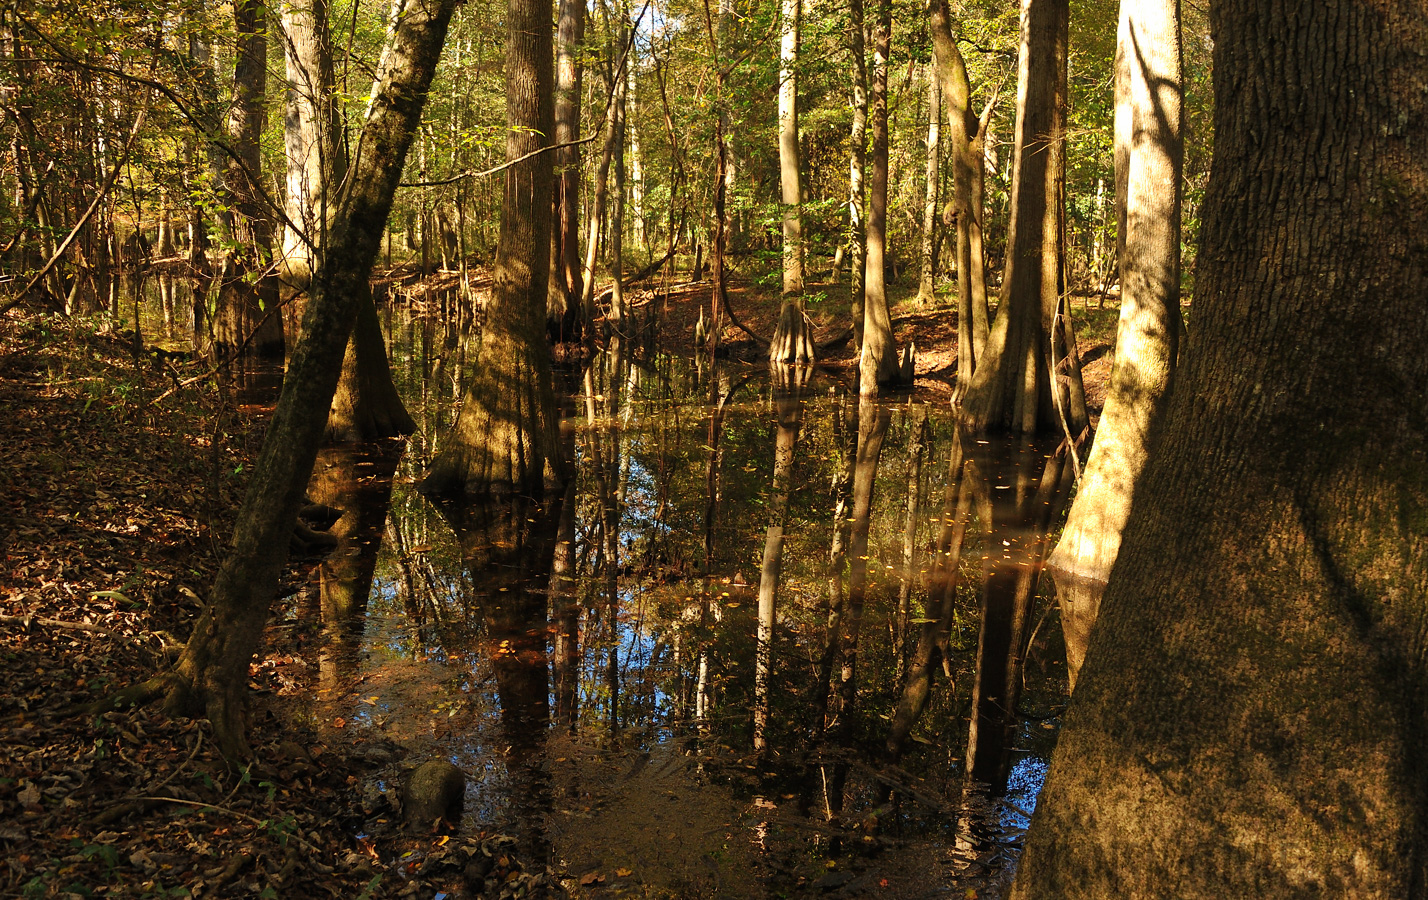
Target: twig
(494, 169)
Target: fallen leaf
(623, 873)
(590, 878)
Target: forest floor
(119, 491)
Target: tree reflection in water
(635, 666)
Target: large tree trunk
(1012, 386)
(879, 363)
(1249, 720)
(505, 439)
(214, 664)
(247, 318)
(1149, 147)
(966, 137)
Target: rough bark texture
(1148, 144)
(1250, 719)
(505, 439)
(1011, 388)
(879, 363)
(214, 664)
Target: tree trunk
(248, 319)
(790, 169)
(311, 138)
(214, 666)
(857, 164)
(1249, 719)
(927, 281)
(793, 337)
(566, 285)
(505, 439)
(1011, 387)
(879, 363)
(1148, 145)
(615, 248)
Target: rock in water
(433, 795)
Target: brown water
(591, 660)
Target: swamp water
(637, 675)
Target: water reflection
(740, 645)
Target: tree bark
(1012, 387)
(505, 440)
(1249, 719)
(1149, 146)
(213, 668)
(878, 366)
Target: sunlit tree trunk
(1011, 386)
(1249, 719)
(793, 340)
(505, 439)
(1150, 150)
(926, 283)
(879, 362)
(566, 281)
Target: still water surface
(600, 665)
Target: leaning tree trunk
(879, 363)
(1149, 148)
(505, 438)
(1012, 386)
(1249, 720)
(247, 320)
(793, 337)
(213, 668)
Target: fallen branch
(27, 621)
